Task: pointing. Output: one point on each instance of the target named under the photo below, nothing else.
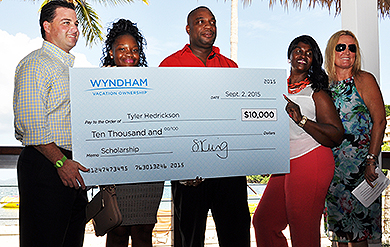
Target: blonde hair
(330, 55)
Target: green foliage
(385, 146)
(91, 28)
(262, 179)
(387, 108)
(90, 25)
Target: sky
(264, 35)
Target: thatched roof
(383, 5)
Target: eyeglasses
(342, 47)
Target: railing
(163, 234)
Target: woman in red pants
(297, 199)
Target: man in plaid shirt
(52, 204)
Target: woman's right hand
(370, 175)
(293, 110)
(327, 129)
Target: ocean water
(9, 216)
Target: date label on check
(258, 114)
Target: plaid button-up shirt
(41, 97)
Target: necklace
(297, 87)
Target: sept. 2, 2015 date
(158, 166)
(242, 94)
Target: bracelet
(302, 122)
(371, 157)
(373, 164)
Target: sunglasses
(342, 47)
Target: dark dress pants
(50, 214)
(227, 199)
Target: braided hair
(317, 75)
(119, 28)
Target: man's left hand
(70, 175)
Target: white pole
(234, 30)
(361, 17)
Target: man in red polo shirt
(226, 197)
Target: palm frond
(383, 5)
(311, 3)
(89, 20)
(116, 2)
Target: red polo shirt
(185, 58)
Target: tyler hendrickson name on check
(138, 116)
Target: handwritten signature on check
(221, 149)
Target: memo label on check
(258, 114)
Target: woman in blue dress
(359, 102)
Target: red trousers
(296, 199)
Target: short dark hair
(317, 75)
(192, 11)
(119, 28)
(48, 12)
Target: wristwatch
(302, 122)
(60, 163)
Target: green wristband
(60, 163)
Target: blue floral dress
(346, 219)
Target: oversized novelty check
(154, 124)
